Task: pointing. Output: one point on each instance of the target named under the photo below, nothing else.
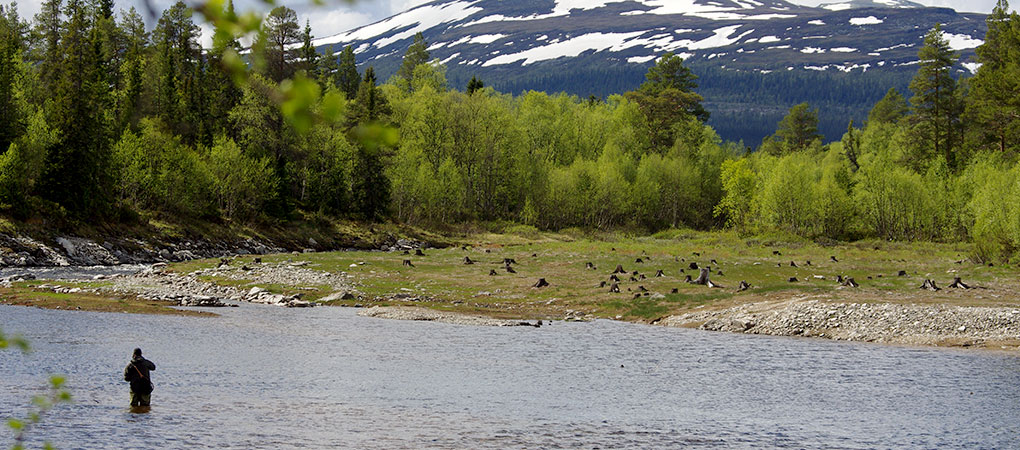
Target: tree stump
(407, 263)
(776, 253)
(541, 283)
(849, 282)
(257, 261)
(642, 289)
(839, 279)
(902, 273)
(696, 254)
(488, 250)
(703, 278)
(615, 288)
(642, 277)
(693, 266)
(406, 253)
(833, 258)
(633, 279)
(793, 264)
(223, 262)
(793, 280)
(808, 263)
(719, 273)
(614, 278)
(492, 273)
(602, 284)
(958, 284)
(418, 252)
(674, 291)
(688, 279)
(639, 261)
(659, 274)
(930, 286)
(619, 269)
(743, 286)
(509, 261)
(510, 269)
(589, 266)
(468, 261)
(637, 296)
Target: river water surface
(270, 377)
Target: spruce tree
(935, 103)
(328, 69)
(132, 69)
(348, 79)
(11, 122)
(49, 23)
(77, 173)
(309, 57)
(474, 85)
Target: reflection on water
(266, 377)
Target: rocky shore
(907, 324)
(18, 250)
(431, 315)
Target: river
(270, 377)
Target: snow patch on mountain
(962, 41)
(418, 19)
(870, 20)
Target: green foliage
(799, 129)
(243, 186)
(936, 106)
(417, 54)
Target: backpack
(141, 384)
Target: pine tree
(994, 106)
(281, 30)
(415, 55)
(667, 100)
(935, 103)
(799, 128)
(348, 79)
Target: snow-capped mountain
(511, 43)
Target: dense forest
(102, 120)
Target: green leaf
(15, 424)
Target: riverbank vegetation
(29, 293)
(776, 269)
(102, 121)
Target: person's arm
(127, 373)
(151, 365)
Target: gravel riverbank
(908, 324)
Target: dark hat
(138, 352)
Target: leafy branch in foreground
(41, 404)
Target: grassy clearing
(442, 276)
(27, 294)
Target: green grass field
(441, 280)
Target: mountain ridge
(605, 46)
